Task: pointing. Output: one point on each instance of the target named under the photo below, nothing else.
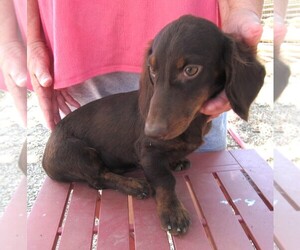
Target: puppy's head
(189, 62)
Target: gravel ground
(37, 136)
(268, 126)
(12, 137)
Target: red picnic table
(229, 195)
(286, 203)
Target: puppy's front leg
(173, 216)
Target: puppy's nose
(155, 130)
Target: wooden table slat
(113, 230)
(200, 170)
(196, 237)
(211, 159)
(223, 224)
(13, 222)
(259, 171)
(46, 215)
(148, 233)
(77, 232)
(286, 223)
(250, 207)
(287, 176)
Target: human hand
(216, 106)
(13, 66)
(245, 24)
(50, 100)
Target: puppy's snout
(155, 130)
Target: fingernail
(19, 78)
(45, 81)
(21, 81)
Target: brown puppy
(188, 62)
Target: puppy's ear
(146, 85)
(244, 76)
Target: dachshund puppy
(156, 127)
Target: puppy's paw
(140, 189)
(176, 220)
(180, 165)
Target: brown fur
(157, 126)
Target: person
(78, 52)
(13, 71)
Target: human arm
(13, 57)
(39, 64)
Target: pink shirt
(89, 38)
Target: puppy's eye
(192, 70)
